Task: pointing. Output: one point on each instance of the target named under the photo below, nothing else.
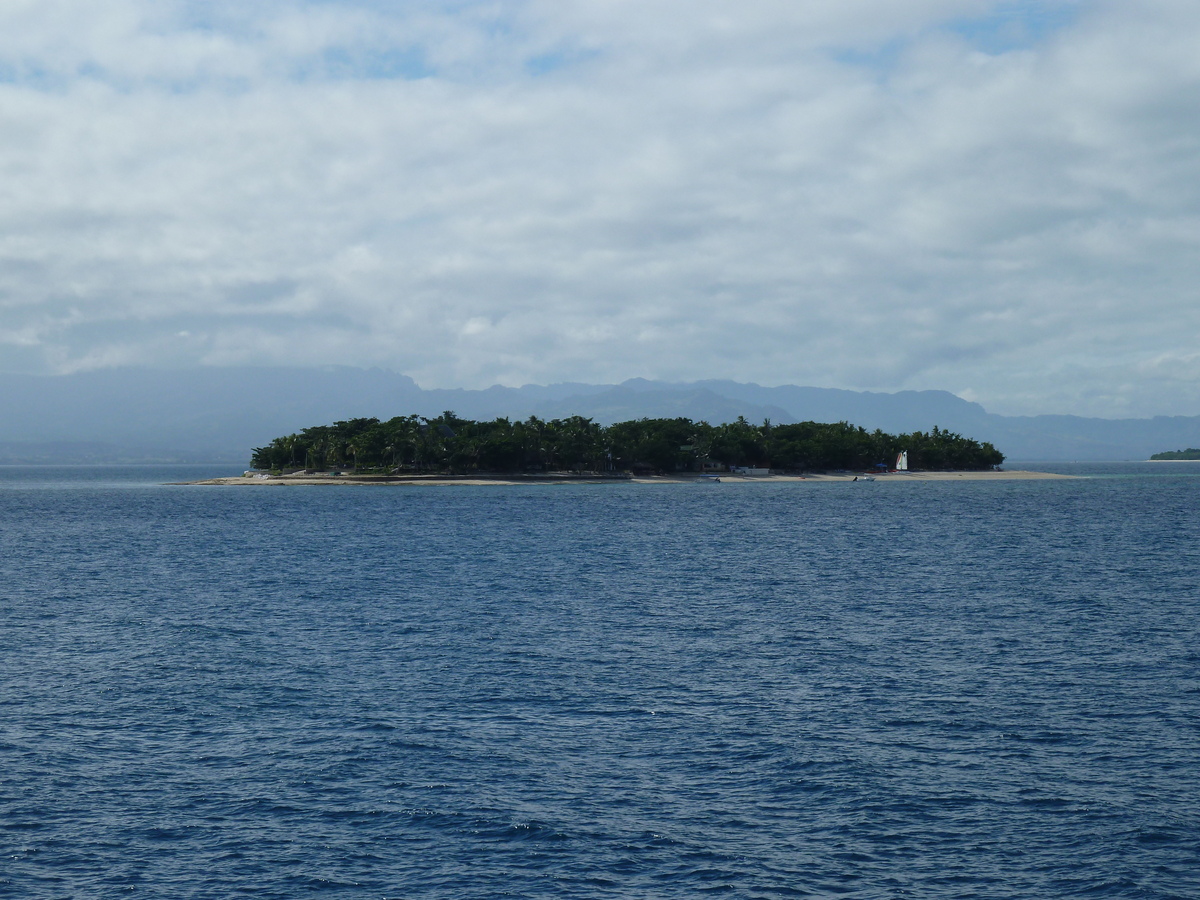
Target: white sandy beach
(437, 481)
(910, 476)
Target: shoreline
(550, 479)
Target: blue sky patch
(1016, 25)
(548, 63)
(1006, 28)
(408, 63)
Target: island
(448, 449)
(1174, 455)
(448, 444)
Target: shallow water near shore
(935, 690)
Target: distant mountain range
(219, 414)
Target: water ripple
(966, 690)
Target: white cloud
(854, 194)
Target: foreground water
(982, 689)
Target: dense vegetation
(1189, 453)
(450, 444)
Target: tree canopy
(1189, 453)
(449, 444)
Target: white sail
(902, 461)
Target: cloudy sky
(1000, 199)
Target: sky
(999, 199)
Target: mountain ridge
(220, 414)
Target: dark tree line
(1189, 453)
(450, 444)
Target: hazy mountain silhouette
(219, 414)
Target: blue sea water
(926, 690)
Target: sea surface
(871, 690)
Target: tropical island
(1171, 455)
(448, 445)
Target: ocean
(852, 690)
